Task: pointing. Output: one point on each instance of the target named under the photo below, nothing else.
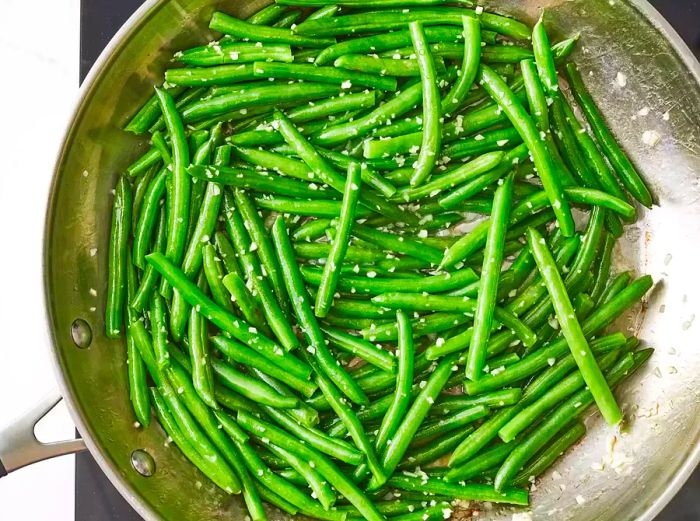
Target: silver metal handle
(19, 446)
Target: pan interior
(611, 475)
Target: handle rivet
(81, 333)
(143, 463)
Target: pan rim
(133, 24)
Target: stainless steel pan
(610, 476)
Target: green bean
(267, 15)
(149, 159)
(572, 330)
(621, 163)
(159, 330)
(312, 229)
(554, 423)
(483, 462)
(432, 126)
(244, 300)
(140, 188)
(376, 65)
(218, 468)
(474, 168)
(474, 492)
(536, 97)
(246, 356)
(276, 318)
(456, 421)
(212, 426)
(512, 107)
(594, 197)
(545, 58)
(413, 418)
(138, 386)
(268, 433)
(360, 324)
(470, 65)
(595, 159)
(453, 304)
(202, 375)
(315, 438)
(373, 21)
(555, 395)
(331, 271)
(553, 374)
(227, 253)
(237, 328)
(229, 25)
(273, 481)
(147, 218)
(233, 52)
(364, 4)
(303, 414)
(568, 143)
(383, 42)
(260, 96)
(458, 197)
(433, 323)
(215, 75)
(118, 259)
(616, 284)
(264, 247)
(214, 273)
(486, 142)
(339, 104)
(324, 12)
(288, 20)
(550, 454)
(223, 479)
(599, 319)
(179, 191)
(276, 500)
(322, 491)
(159, 143)
(257, 181)
(436, 449)
(150, 275)
(589, 248)
(602, 274)
(342, 77)
(362, 349)
(302, 308)
(192, 262)
(349, 418)
(328, 175)
(276, 162)
(395, 107)
(402, 395)
(486, 432)
(306, 208)
(376, 286)
(251, 388)
(320, 250)
(149, 113)
(490, 273)
(397, 243)
(494, 400)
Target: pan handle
(19, 446)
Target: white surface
(39, 51)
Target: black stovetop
(95, 497)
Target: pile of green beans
(302, 315)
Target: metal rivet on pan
(143, 463)
(81, 332)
